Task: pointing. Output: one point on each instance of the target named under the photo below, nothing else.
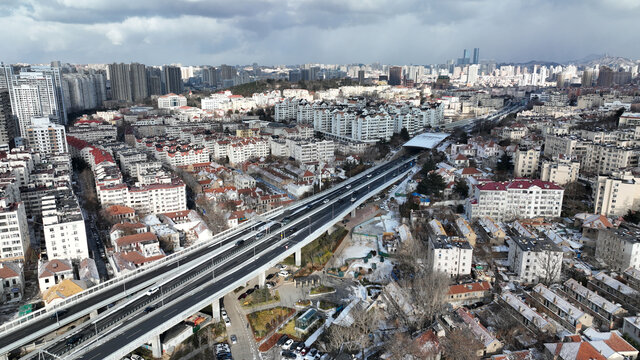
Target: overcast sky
(269, 32)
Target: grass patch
(261, 297)
(326, 305)
(290, 329)
(317, 253)
(264, 321)
(322, 289)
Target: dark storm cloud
(330, 31)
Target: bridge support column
(353, 213)
(92, 315)
(262, 279)
(215, 310)
(156, 347)
(4, 356)
(298, 257)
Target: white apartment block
(63, 227)
(94, 132)
(515, 199)
(631, 328)
(619, 248)
(372, 128)
(451, 256)
(240, 150)
(559, 308)
(561, 170)
(14, 238)
(305, 152)
(45, 137)
(629, 119)
(534, 260)
(171, 101)
(616, 194)
(525, 162)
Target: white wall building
(14, 238)
(616, 194)
(515, 199)
(63, 227)
(561, 170)
(451, 256)
(534, 260)
(171, 101)
(525, 162)
(619, 248)
(45, 137)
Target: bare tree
(550, 263)
(356, 337)
(402, 347)
(212, 216)
(460, 344)
(425, 288)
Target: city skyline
(312, 32)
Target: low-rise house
(489, 342)
(468, 294)
(631, 328)
(465, 230)
(450, 255)
(126, 228)
(65, 289)
(559, 308)
(632, 277)
(594, 346)
(88, 271)
(118, 213)
(53, 272)
(492, 229)
(605, 312)
(616, 290)
(11, 282)
(526, 315)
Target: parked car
(283, 273)
(283, 339)
(242, 296)
(150, 308)
(304, 351)
(227, 322)
(281, 267)
(271, 276)
(270, 285)
(288, 354)
(287, 344)
(234, 339)
(250, 291)
(151, 291)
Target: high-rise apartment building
(154, 81)
(35, 94)
(46, 137)
(14, 240)
(84, 91)
(120, 78)
(139, 87)
(476, 55)
(63, 227)
(395, 75)
(172, 79)
(7, 121)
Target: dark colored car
(240, 242)
(271, 276)
(288, 355)
(250, 291)
(150, 308)
(282, 340)
(242, 296)
(58, 314)
(74, 339)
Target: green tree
(404, 134)
(428, 166)
(432, 184)
(632, 217)
(461, 188)
(505, 163)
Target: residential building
(171, 101)
(615, 290)
(7, 120)
(631, 328)
(45, 137)
(606, 313)
(525, 162)
(65, 289)
(619, 247)
(15, 236)
(305, 152)
(561, 170)
(451, 256)
(465, 230)
(11, 282)
(489, 343)
(469, 293)
(84, 91)
(53, 272)
(616, 194)
(63, 227)
(93, 131)
(120, 80)
(515, 199)
(528, 316)
(172, 80)
(534, 260)
(559, 308)
(594, 346)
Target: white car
(227, 322)
(287, 345)
(152, 291)
(283, 273)
(281, 266)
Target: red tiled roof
(136, 238)
(467, 288)
(6, 272)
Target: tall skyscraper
(172, 79)
(139, 90)
(120, 78)
(6, 74)
(60, 116)
(33, 94)
(605, 77)
(361, 77)
(395, 75)
(84, 91)
(154, 81)
(587, 78)
(209, 76)
(7, 121)
(476, 55)
(227, 72)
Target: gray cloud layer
(301, 31)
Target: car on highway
(234, 339)
(326, 201)
(368, 175)
(150, 308)
(151, 291)
(58, 314)
(240, 242)
(73, 339)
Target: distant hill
(603, 60)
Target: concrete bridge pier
(156, 347)
(298, 257)
(262, 279)
(215, 310)
(353, 213)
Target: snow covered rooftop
(426, 140)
